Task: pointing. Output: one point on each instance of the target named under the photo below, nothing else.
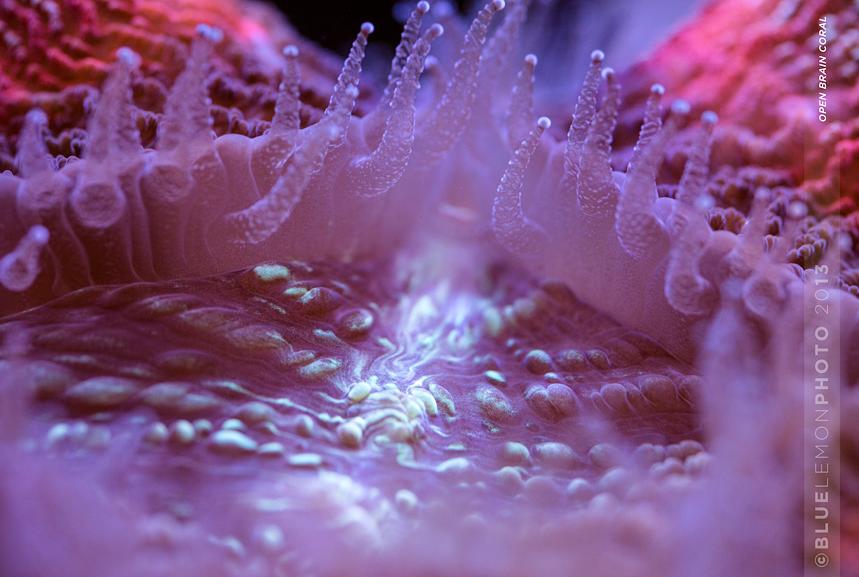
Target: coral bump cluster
(383, 318)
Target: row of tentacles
(348, 187)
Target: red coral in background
(474, 346)
(56, 55)
(756, 64)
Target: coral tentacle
(513, 229)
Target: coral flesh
(267, 313)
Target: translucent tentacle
(127, 137)
(411, 32)
(765, 288)
(270, 150)
(749, 251)
(345, 91)
(112, 128)
(511, 227)
(695, 172)
(651, 125)
(262, 219)
(287, 118)
(186, 113)
(40, 197)
(583, 115)
(449, 119)
(499, 47)
(97, 199)
(375, 123)
(168, 178)
(596, 190)
(378, 172)
(638, 229)
(43, 189)
(686, 290)
(521, 109)
(19, 268)
(33, 157)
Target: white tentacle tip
(498, 5)
(657, 89)
(37, 116)
(423, 7)
(710, 118)
(531, 60)
(544, 123)
(680, 107)
(797, 209)
(367, 28)
(290, 51)
(608, 74)
(39, 235)
(435, 31)
(597, 56)
(210, 33)
(128, 57)
(762, 194)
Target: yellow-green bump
(305, 460)
(510, 479)
(359, 391)
(443, 398)
(182, 432)
(495, 378)
(232, 442)
(556, 455)
(495, 405)
(271, 272)
(156, 434)
(271, 450)
(101, 392)
(304, 425)
(350, 435)
(458, 466)
(605, 455)
(255, 412)
(515, 453)
(320, 368)
(406, 501)
(538, 362)
(428, 401)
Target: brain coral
(262, 319)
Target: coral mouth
(422, 334)
(268, 389)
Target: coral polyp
(196, 204)
(428, 325)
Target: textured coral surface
(256, 325)
(56, 55)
